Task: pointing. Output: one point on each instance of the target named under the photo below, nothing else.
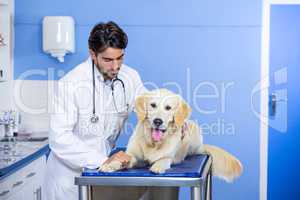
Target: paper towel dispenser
(58, 36)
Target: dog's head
(161, 109)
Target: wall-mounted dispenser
(58, 36)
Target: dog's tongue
(157, 135)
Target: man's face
(109, 62)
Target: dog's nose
(157, 122)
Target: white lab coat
(74, 141)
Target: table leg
(88, 192)
(81, 195)
(208, 184)
(196, 193)
(84, 192)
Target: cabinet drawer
(27, 176)
(5, 190)
(11, 184)
(34, 169)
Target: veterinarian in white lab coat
(89, 111)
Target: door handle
(273, 104)
(17, 183)
(4, 193)
(38, 193)
(30, 174)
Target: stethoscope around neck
(94, 117)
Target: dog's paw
(111, 167)
(158, 168)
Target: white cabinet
(6, 53)
(26, 183)
(4, 40)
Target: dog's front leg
(161, 165)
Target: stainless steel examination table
(194, 172)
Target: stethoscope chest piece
(94, 119)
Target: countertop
(17, 154)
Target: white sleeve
(70, 148)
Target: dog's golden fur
(181, 137)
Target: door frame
(264, 94)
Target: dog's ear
(140, 107)
(182, 113)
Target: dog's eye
(153, 105)
(168, 107)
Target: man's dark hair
(105, 35)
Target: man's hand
(116, 162)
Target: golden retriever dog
(164, 136)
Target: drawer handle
(30, 175)
(17, 183)
(4, 193)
